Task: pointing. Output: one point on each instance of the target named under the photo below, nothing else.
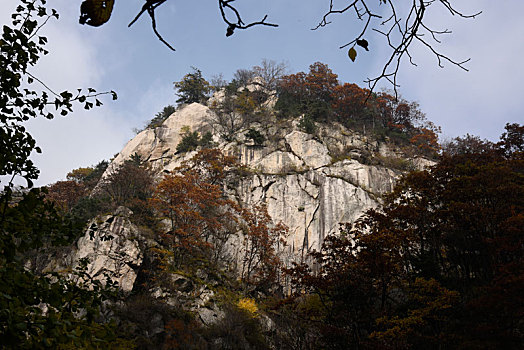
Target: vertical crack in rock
(292, 170)
(111, 248)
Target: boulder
(111, 247)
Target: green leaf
(352, 53)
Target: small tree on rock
(192, 88)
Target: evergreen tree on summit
(192, 88)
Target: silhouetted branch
(402, 27)
(238, 23)
(151, 5)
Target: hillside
(312, 216)
(309, 182)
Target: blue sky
(134, 63)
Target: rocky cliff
(311, 183)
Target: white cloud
(82, 138)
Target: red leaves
(193, 202)
(349, 101)
(439, 266)
(426, 140)
(261, 263)
(318, 84)
(192, 206)
(65, 194)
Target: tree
(21, 47)
(512, 140)
(218, 82)
(310, 94)
(255, 135)
(401, 26)
(89, 176)
(161, 116)
(349, 103)
(192, 88)
(37, 311)
(189, 142)
(270, 72)
(65, 194)
(243, 76)
(438, 266)
(467, 144)
(427, 140)
(129, 184)
(262, 240)
(227, 119)
(193, 202)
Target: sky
(142, 70)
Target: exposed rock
(181, 283)
(311, 204)
(209, 317)
(422, 163)
(310, 183)
(378, 180)
(313, 153)
(205, 307)
(110, 244)
(158, 145)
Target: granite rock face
(110, 244)
(311, 183)
(158, 145)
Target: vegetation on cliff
(438, 265)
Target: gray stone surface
(309, 183)
(110, 243)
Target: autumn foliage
(66, 194)
(262, 244)
(319, 97)
(202, 220)
(439, 266)
(192, 200)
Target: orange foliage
(294, 84)
(318, 84)
(349, 101)
(193, 202)
(66, 194)
(321, 81)
(426, 140)
(210, 164)
(397, 114)
(193, 208)
(260, 264)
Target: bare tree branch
(151, 5)
(237, 23)
(401, 28)
(399, 25)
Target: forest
(438, 265)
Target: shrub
(237, 330)
(307, 124)
(190, 141)
(161, 116)
(248, 305)
(207, 140)
(256, 136)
